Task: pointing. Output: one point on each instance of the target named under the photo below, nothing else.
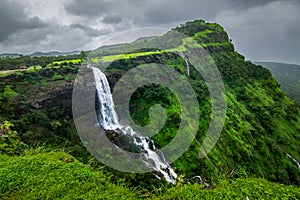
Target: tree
(8, 94)
(9, 141)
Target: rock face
(113, 133)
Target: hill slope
(57, 175)
(288, 76)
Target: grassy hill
(288, 76)
(57, 175)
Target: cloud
(89, 7)
(238, 4)
(13, 19)
(89, 31)
(155, 12)
(23, 33)
(260, 29)
(139, 12)
(53, 37)
(112, 19)
(270, 32)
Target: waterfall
(107, 115)
(109, 122)
(294, 160)
(187, 65)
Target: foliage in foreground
(57, 175)
(238, 189)
(9, 140)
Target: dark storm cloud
(112, 19)
(162, 12)
(138, 11)
(92, 32)
(157, 11)
(55, 37)
(244, 4)
(268, 33)
(89, 7)
(24, 34)
(168, 11)
(13, 19)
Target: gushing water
(107, 115)
(294, 160)
(109, 121)
(187, 65)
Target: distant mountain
(288, 75)
(10, 55)
(114, 46)
(53, 53)
(145, 38)
(105, 47)
(39, 54)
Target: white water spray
(109, 121)
(294, 160)
(187, 65)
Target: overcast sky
(262, 30)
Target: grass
(57, 175)
(216, 44)
(74, 61)
(15, 71)
(203, 33)
(238, 189)
(129, 56)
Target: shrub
(9, 140)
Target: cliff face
(262, 124)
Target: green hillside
(262, 126)
(57, 175)
(288, 76)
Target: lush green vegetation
(57, 175)
(288, 76)
(261, 122)
(127, 56)
(8, 63)
(262, 126)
